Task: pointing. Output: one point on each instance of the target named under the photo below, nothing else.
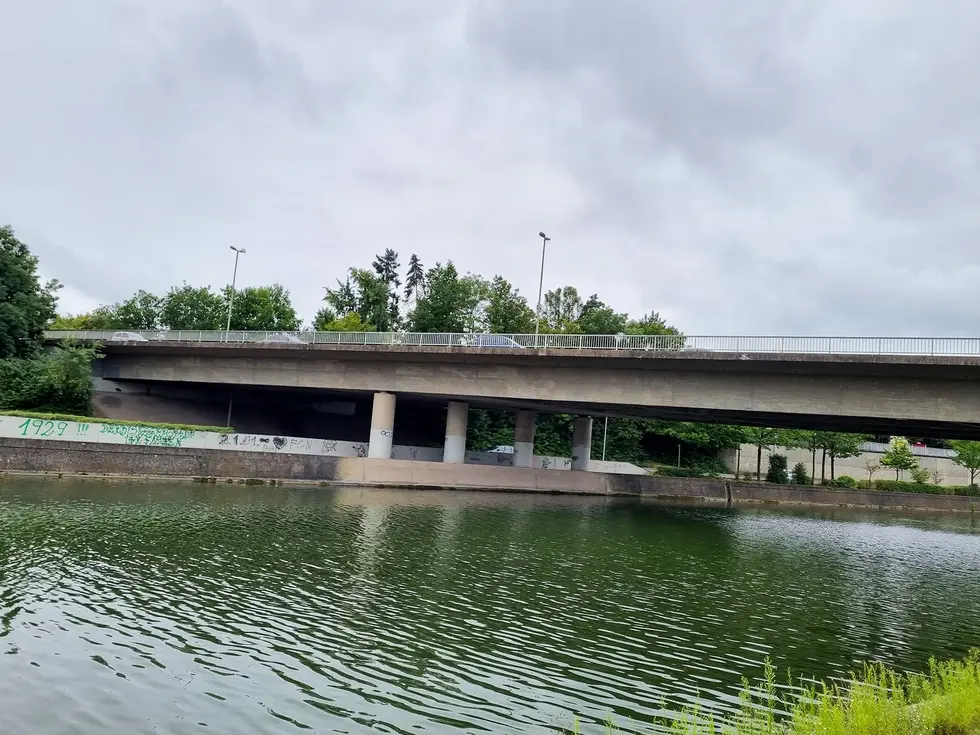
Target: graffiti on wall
(49, 430)
(149, 436)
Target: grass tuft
(878, 701)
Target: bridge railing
(924, 346)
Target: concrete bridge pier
(524, 439)
(456, 418)
(382, 426)
(582, 443)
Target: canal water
(154, 608)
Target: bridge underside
(877, 395)
(255, 408)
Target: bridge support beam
(524, 439)
(455, 447)
(382, 426)
(582, 443)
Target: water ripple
(159, 608)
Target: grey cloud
(762, 166)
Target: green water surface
(153, 608)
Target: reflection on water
(171, 609)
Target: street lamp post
(231, 298)
(537, 321)
(231, 302)
(605, 433)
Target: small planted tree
(760, 437)
(800, 476)
(938, 477)
(777, 469)
(968, 456)
(839, 445)
(899, 456)
(872, 468)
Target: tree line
(379, 297)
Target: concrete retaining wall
(27, 455)
(746, 493)
(38, 456)
(18, 427)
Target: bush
(845, 481)
(919, 475)
(800, 476)
(900, 486)
(60, 381)
(777, 469)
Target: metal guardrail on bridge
(924, 346)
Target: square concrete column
(382, 426)
(456, 418)
(582, 443)
(524, 439)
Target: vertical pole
(605, 433)
(228, 422)
(231, 299)
(537, 321)
(678, 455)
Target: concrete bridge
(913, 386)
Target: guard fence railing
(924, 346)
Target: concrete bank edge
(139, 463)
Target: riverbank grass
(114, 422)
(879, 701)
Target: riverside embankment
(36, 456)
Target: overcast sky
(756, 167)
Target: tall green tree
(26, 304)
(650, 324)
(804, 439)
(364, 293)
(506, 311)
(597, 318)
(841, 445)
(142, 310)
(760, 437)
(561, 310)
(191, 307)
(327, 321)
(414, 279)
(968, 456)
(263, 308)
(624, 440)
(386, 267)
(449, 304)
(712, 438)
